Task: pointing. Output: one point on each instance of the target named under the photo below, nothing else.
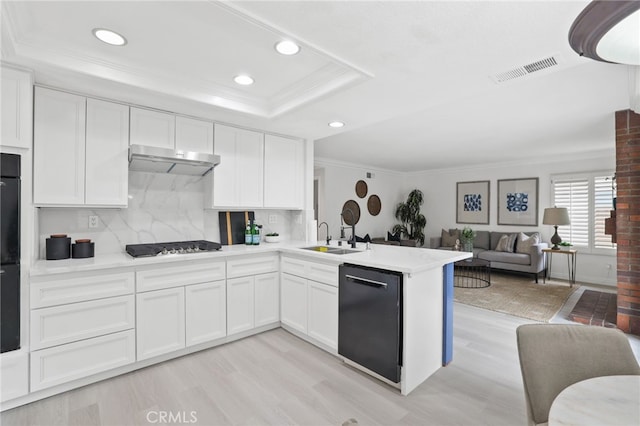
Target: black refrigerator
(10, 252)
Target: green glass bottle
(248, 237)
(255, 234)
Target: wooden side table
(571, 254)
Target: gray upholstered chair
(555, 356)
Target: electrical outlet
(94, 221)
(273, 218)
(299, 219)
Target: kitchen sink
(331, 250)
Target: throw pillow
(525, 242)
(503, 243)
(393, 237)
(448, 239)
(513, 238)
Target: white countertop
(395, 258)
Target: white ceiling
(412, 80)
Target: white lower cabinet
(14, 370)
(310, 306)
(206, 312)
(160, 322)
(240, 305)
(293, 304)
(64, 363)
(252, 302)
(266, 299)
(322, 315)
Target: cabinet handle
(366, 281)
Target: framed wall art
(472, 202)
(518, 202)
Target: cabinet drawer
(323, 273)
(79, 289)
(253, 265)
(315, 271)
(293, 266)
(61, 364)
(174, 276)
(69, 323)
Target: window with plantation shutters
(588, 198)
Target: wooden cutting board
(233, 225)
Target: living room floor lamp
(556, 216)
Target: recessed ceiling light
(287, 47)
(109, 37)
(336, 124)
(243, 79)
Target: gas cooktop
(177, 247)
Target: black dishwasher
(370, 319)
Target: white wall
(439, 187)
(337, 182)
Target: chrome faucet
(328, 236)
(353, 227)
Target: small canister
(82, 249)
(58, 246)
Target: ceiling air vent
(525, 70)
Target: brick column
(628, 220)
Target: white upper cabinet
(17, 108)
(80, 151)
(59, 148)
(238, 179)
(152, 128)
(283, 172)
(107, 144)
(194, 135)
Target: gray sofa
(484, 247)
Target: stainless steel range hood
(162, 160)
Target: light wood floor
(275, 378)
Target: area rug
(519, 296)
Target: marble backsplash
(162, 207)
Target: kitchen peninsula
(152, 309)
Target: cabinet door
(17, 101)
(323, 313)
(267, 299)
(238, 179)
(58, 148)
(283, 172)
(240, 316)
(152, 128)
(206, 312)
(293, 302)
(159, 322)
(107, 166)
(194, 135)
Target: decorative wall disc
(355, 209)
(361, 188)
(374, 205)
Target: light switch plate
(94, 221)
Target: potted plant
(413, 222)
(466, 236)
